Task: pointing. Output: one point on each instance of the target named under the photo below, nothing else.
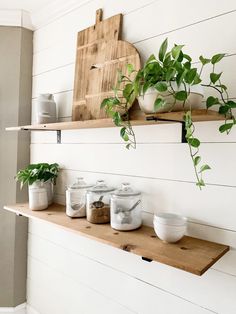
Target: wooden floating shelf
(189, 254)
(75, 125)
(169, 117)
(199, 115)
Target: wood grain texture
(139, 119)
(100, 53)
(189, 254)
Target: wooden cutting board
(100, 53)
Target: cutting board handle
(98, 16)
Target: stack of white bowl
(169, 227)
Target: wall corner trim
(20, 309)
(18, 18)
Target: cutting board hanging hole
(98, 16)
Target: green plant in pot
(40, 174)
(170, 82)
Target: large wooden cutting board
(100, 53)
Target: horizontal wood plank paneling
(112, 281)
(146, 161)
(66, 295)
(101, 278)
(70, 23)
(192, 36)
(46, 252)
(73, 22)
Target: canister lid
(79, 184)
(126, 190)
(101, 186)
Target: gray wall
(15, 104)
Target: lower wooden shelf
(189, 254)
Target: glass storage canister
(126, 208)
(76, 198)
(98, 203)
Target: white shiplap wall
(71, 274)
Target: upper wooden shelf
(169, 117)
(189, 254)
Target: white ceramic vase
(46, 109)
(38, 199)
(194, 100)
(48, 185)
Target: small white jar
(169, 227)
(46, 109)
(38, 199)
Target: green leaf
(211, 101)
(175, 51)
(150, 59)
(167, 59)
(163, 49)
(161, 86)
(194, 142)
(181, 56)
(146, 87)
(190, 75)
(182, 95)
(128, 146)
(117, 118)
(187, 57)
(170, 74)
(180, 76)
(122, 131)
(130, 68)
(217, 58)
(215, 77)
(105, 102)
(224, 109)
(231, 104)
(127, 91)
(159, 103)
(204, 168)
(204, 61)
(197, 80)
(187, 65)
(226, 127)
(197, 160)
(200, 183)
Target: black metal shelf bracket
(58, 136)
(183, 130)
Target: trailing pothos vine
(161, 73)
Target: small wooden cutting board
(100, 53)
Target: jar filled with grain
(76, 198)
(98, 203)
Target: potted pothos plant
(42, 173)
(170, 82)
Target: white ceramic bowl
(170, 219)
(169, 233)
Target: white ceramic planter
(38, 199)
(146, 102)
(46, 109)
(49, 188)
